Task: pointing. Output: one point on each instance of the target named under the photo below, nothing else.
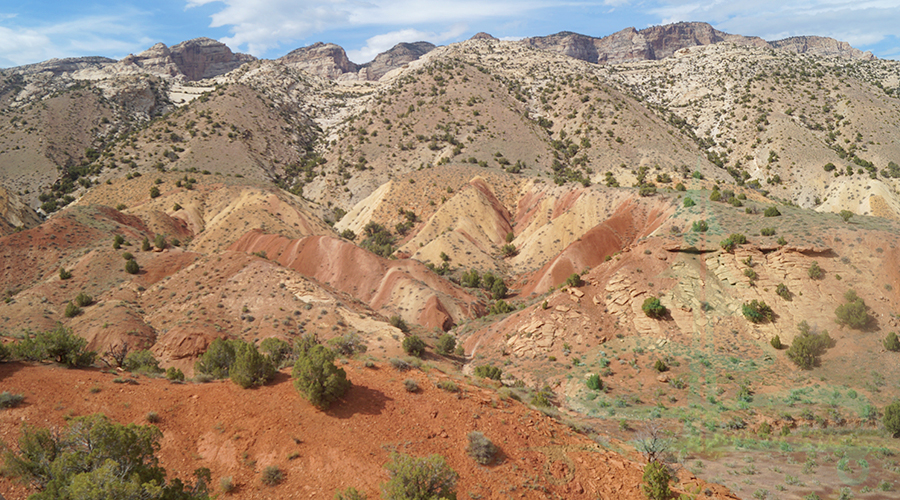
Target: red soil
(236, 433)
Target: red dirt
(632, 220)
(364, 275)
(236, 433)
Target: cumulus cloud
(380, 43)
(260, 25)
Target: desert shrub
(83, 300)
(854, 312)
(488, 371)
(750, 273)
(145, 245)
(152, 417)
(776, 342)
(118, 240)
(814, 271)
(277, 349)
(72, 310)
(250, 368)
(891, 342)
(653, 308)
(127, 256)
(397, 322)
(95, 458)
(756, 311)
(4, 352)
(501, 307)
(217, 359)
(226, 484)
(738, 238)
(767, 231)
(419, 478)
(348, 344)
(699, 226)
(891, 418)
(689, 202)
(132, 267)
(660, 365)
(772, 212)
(574, 280)
(594, 382)
(272, 475)
(480, 448)
(141, 361)
(470, 279)
(846, 215)
(154, 192)
(782, 290)
(399, 364)
(414, 346)
(59, 345)
(378, 240)
(411, 385)
(715, 196)
(64, 274)
(159, 241)
(727, 244)
(781, 241)
(10, 400)
(348, 234)
(498, 289)
(508, 250)
(174, 374)
(350, 493)
(447, 385)
(317, 378)
(656, 481)
(445, 344)
(808, 347)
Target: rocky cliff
(400, 54)
(192, 60)
(660, 42)
(324, 59)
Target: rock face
(821, 46)
(67, 65)
(660, 42)
(323, 59)
(193, 60)
(400, 54)
(330, 61)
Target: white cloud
(260, 25)
(380, 43)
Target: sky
(36, 30)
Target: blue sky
(37, 30)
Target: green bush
(846, 215)
(699, 226)
(348, 234)
(95, 458)
(445, 344)
(127, 256)
(756, 311)
(10, 400)
(317, 378)
(415, 478)
(653, 308)
(772, 212)
(854, 312)
(414, 346)
(397, 322)
(891, 418)
(145, 245)
(347, 344)
(594, 382)
(715, 196)
(411, 385)
(142, 361)
(501, 307)
(727, 244)
(132, 267)
(767, 231)
(59, 345)
(808, 347)
(350, 493)
(272, 476)
(118, 240)
(250, 368)
(159, 241)
(4, 352)
(738, 238)
(64, 274)
(680, 187)
(278, 350)
(508, 250)
(660, 366)
(72, 310)
(174, 374)
(776, 342)
(656, 481)
(154, 192)
(574, 280)
(217, 359)
(83, 300)
(689, 202)
(480, 448)
(498, 289)
(488, 371)
(891, 342)
(782, 290)
(814, 271)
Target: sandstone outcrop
(323, 59)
